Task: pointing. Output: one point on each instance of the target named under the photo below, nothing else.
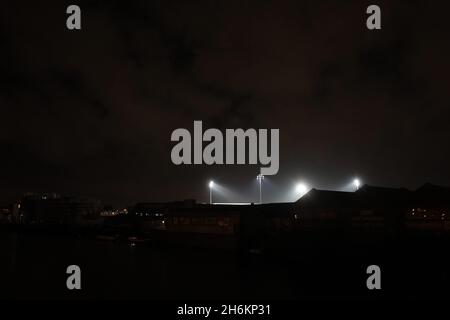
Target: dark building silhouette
(54, 209)
(429, 210)
(368, 214)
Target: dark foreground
(33, 266)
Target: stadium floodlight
(301, 188)
(260, 178)
(211, 187)
(356, 183)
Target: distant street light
(260, 178)
(211, 186)
(356, 183)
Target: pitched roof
(372, 196)
(327, 199)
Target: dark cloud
(91, 111)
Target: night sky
(91, 112)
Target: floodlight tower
(211, 186)
(260, 178)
